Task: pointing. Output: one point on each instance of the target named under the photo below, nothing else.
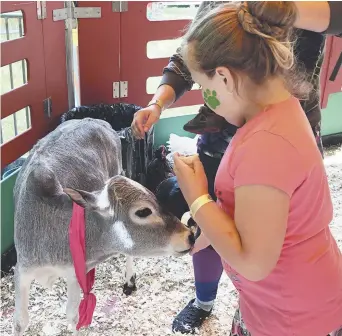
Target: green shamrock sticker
(211, 99)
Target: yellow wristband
(198, 203)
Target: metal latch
(119, 6)
(77, 13)
(120, 89)
(41, 10)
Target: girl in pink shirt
(271, 221)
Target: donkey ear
(83, 198)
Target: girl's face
(219, 93)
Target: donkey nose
(191, 239)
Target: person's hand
(191, 177)
(201, 243)
(144, 119)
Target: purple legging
(207, 263)
(208, 270)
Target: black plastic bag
(136, 153)
(118, 115)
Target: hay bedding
(165, 285)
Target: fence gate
(33, 76)
(34, 91)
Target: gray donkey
(80, 161)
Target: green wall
(171, 125)
(331, 124)
(7, 211)
(332, 115)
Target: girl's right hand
(144, 119)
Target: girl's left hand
(190, 176)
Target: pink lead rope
(78, 253)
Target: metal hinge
(47, 106)
(119, 6)
(120, 89)
(76, 13)
(41, 10)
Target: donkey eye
(143, 213)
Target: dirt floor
(165, 285)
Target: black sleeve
(335, 24)
(176, 74)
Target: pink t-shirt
(303, 294)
